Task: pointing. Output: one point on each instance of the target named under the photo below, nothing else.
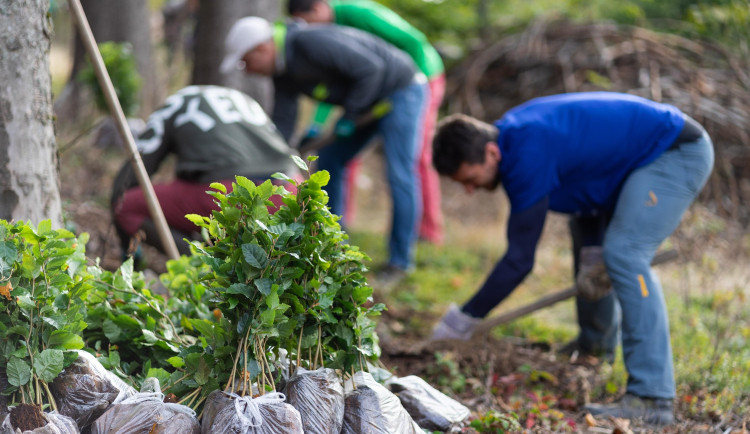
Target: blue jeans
(649, 208)
(401, 130)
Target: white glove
(454, 325)
(592, 280)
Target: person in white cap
(356, 70)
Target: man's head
(249, 46)
(312, 11)
(465, 149)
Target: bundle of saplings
(43, 282)
(282, 283)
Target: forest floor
(515, 370)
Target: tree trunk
(29, 182)
(215, 18)
(133, 25)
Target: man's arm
(524, 230)
(377, 19)
(284, 113)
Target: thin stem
(299, 348)
(175, 383)
(245, 373)
(360, 356)
(49, 396)
(197, 404)
(230, 383)
(317, 349)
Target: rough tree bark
(215, 17)
(29, 183)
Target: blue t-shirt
(578, 148)
(569, 153)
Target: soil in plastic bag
(147, 413)
(429, 407)
(373, 409)
(85, 390)
(226, 413)
(53, 423)
(319, 398)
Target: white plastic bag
(228, 413)
(319, 398)
(429, 407)
(56, 424)
(373, 409)
(85, 390)
(146, 412)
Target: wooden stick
(122, 126)
(549, 300)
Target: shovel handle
(555, 297)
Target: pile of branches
(548, 57)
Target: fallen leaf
(5, 290)
(622, 426)
(590, 421)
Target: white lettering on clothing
(194, 115)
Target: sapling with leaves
(286, 281)
(43, 281)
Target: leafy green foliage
(43, 283)
(496, 422)
(130, 329)
(285, 281)
(120, 63)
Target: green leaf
(48, 364)
(160, 374)
(197, 220)
(255, 255)
(344, 332)
(203, 373)
(111, 330)
(300, 163)
(219, 186)
(18, 372)
(321, 177)
(240, 288)
(263, 285)
(176, 362)
(45, 227)
(65, 340)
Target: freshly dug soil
(26, 417)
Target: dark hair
(460, 139)
(297, 6)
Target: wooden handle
(555, 297)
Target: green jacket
(377, 19)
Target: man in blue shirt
(628, 162)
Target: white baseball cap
(246, 34)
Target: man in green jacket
(380, 21)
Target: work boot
(650, 410)
(388, 277)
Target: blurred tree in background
(465, 23)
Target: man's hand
(592, 280)
(455, 325)
(344, 128)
